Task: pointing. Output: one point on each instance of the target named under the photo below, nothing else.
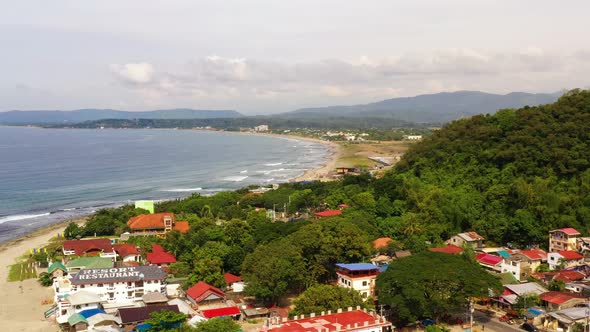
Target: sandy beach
(21, 307)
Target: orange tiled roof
(381, 242)
(149, 221)
(181, 226)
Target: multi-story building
(113, 285)
(563, 239)
(523, 263)
(358, 276)
(564, 259)
(343, 321)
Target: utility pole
(471, 309)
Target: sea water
(51, 175)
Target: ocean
(51, 175)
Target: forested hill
(512, 176)
(432, 108)
(69, 117)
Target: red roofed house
(327, 213)
(128, 252)
(523, 263)
(563, 239)
(156, 224)
(233, 312)
(89, 247)
(234, 283)
(490, 262)
(564, 259)
(569, 276)
(471, 239)
(159, 256)
(560, 300)
(450, 249)
(347, 321)
(203, 293)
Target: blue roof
(384, 267)
(357, 266)
(503, 253)
(91, 312)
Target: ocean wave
(244, 171)
(182, 190)
(272, 171)
(273, 164)
(235, 178)
(22, 217)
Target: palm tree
(45, 279)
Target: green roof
(93, 262)
(55, 266)
(75, 319)
(507, 278)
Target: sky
(268, 56)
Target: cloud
(139, 73)
(262, 84)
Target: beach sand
(21, 307)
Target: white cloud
(139, 73)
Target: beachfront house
(156, 224)
(563, 239)
(358, 276)
(114, 285)
(76, 303)
(344, 321)
(88, 247)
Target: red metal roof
(201, 290)
(570, 255)
(221, 312)
(230, 278)
(328, 213)
(535, 254)
(159, 256)
(568, 231)
(330, 322)
(558, 297)
(126, 249)
(567, 276)
(450, 249)
(81, 247)
(489, 259)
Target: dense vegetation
(511, 177)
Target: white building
(414, 137)
(114, 285)
(75, 303)
(358, 276)
(564, 259)
(261, 128)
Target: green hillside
(511, 176)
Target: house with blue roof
(358, 276)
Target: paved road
(492, 324)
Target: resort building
(156, 224)
(343, 321)
(563, 239)
(76, 303)
(89, 247)
(358, 276)
(564, 259)
(113, 285)
(471, 239)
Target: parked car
(529, 327)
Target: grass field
(22, 271)
(355, 155)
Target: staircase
(51, 311)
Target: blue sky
(269, 56)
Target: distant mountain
(63, 117)
(431, 108)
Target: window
(364, 283)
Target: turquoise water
(50, 175)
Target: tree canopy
(430, 285)
(320, 298)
